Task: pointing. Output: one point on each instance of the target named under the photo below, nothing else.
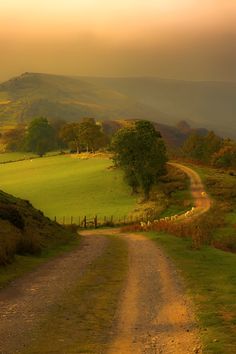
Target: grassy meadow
(210, 276)
(18, 156)
(64, 186)
(15, 156)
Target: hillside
(67, 98)
(23, 229)
(203, 104)
(174, 136)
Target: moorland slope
(208, 104)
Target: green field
(64, 186)
(210, 276)
(15, 156)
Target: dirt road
(155, 316)
(25, 303)
(202, 201)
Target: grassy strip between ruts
(210, 276)
(27, 263)
(82, 321)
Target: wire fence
(96, 221)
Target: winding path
(202, 201)
(154, 314)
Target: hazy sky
(188, 39)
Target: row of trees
(211, 150)
(139, 149)
(86, 135)
(42, 136)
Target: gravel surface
(202, 201)
(25, 303)
(155, 315)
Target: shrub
(227, 244)
(9, 236)
(10, 213)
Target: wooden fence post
(55, 219)
(85, 222)
(96, 222)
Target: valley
(108, 266)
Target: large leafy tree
(202, 148)
(57, 125)
(92, 136)
(140, 151)
(40, 137)
(86, 135)
(14, 138)
(71, 134)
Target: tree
(202, 148)
(226, 156)
(91, 135)
(14, 138)
(57, 125)
(193, 147)
(71, 134)
(141, 153)
(40, 137)
(86, 135)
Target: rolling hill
(208, 104)
(203, 104)
(67, 98)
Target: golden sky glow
(127, 37)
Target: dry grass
(200, 230)
(25, 230)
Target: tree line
(211, 150)
(42, 136)
(138, 150)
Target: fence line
(96, 221)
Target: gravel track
(25, 303)
(155, 315)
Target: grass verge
(210, 276)
(27, 263)
(221, 185)
(82, 322)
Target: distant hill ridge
(204, 104)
